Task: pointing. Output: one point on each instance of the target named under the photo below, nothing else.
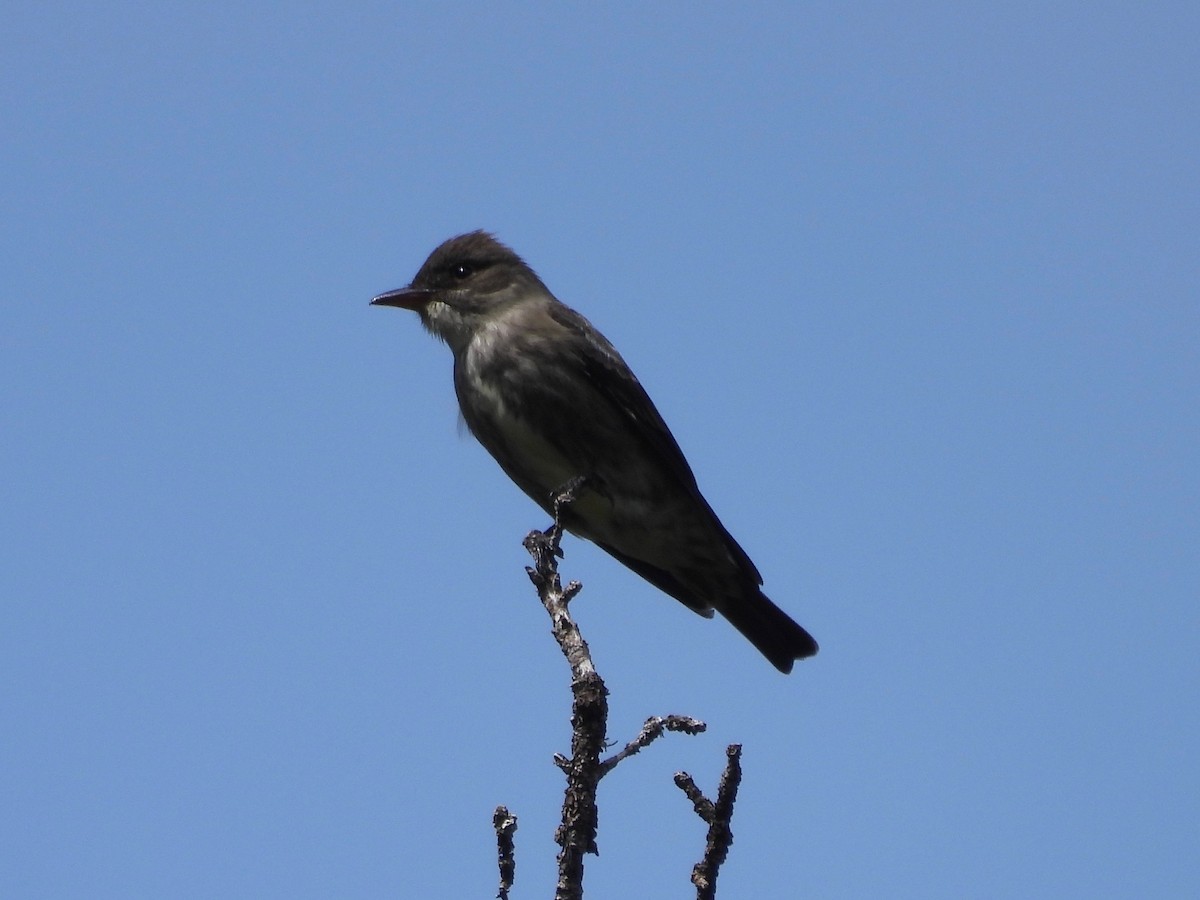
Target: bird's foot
(567, 492)
(560, 498)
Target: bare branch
(718, 816)
(576, 834)
(544, 547)
(505, 824)
(651, 731)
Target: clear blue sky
(915, 286)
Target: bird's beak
(405, 298)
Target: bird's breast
(495, 412)
(524, 446)
(540, 428)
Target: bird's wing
(613, 380)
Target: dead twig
(718, 816)
(505, 824)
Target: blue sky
(915, 286)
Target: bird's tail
(772, 631)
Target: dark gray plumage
(551, 399)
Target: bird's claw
(560, 498)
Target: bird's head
(463, 283)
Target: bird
(554, 403)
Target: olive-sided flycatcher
(552, 400)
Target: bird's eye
(461, 271)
